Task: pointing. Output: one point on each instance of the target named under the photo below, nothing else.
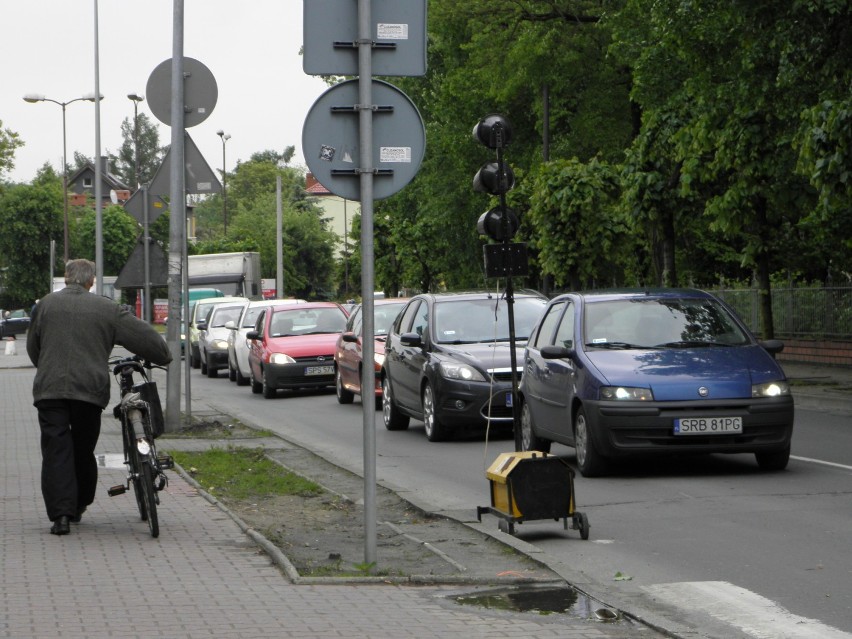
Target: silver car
(213, 339)
(238, 366)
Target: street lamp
(32, 98)
(225, 137)
(136, 100)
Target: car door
(255, 349)
(400, 359)
(557, 381)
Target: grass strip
(242, 474)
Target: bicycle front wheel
(150, 499)
(134, 464)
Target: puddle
(539, 600)
(110, 460)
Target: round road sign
(331, 140)
(200, 92)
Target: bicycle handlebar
(133, 361)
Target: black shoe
(76, 518)
(61, 526)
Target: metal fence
(815, 313)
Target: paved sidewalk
(203, 577)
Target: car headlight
(628, 393)
(770, 389)
(464, 372)
(281, 358)
(379, 359)
(220, 344)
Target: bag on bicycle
(148, 392)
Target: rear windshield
(485, 320)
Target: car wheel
(343, 396)
(391, 415)
(232, 374)
(269, 392)
(773, 461)
(529, 440)
(256, 387)
(435, 431)
(212, 372)
(203, 365)
(589, 461)
(241, 379)
(194, 358)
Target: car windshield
(660, 323)
(225, 314)
(485, 320)
(307, 322)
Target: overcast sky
(251, 47)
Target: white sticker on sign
(385, 31)
(395, 154)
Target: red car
(347, 355)
(293, 346)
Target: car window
(261, 321)
(405, 319)
(354, 323)
(222, 315)
(565, 332)
(384, 316)
(545, 331)
(250, 316)
(661, 322)
(485, 319)
(421, 320)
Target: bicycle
(141, 418)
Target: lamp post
(136, 100)
(33, 98)
(225, 137)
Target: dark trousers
(69, 471)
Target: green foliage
(30, 216)
(150, 154)
(120, 233)
(9, 141)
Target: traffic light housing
(494, 179)
(494, 131)
(491, 223)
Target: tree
(30, 216)
(9, 141)
(150, 152)
(120, 232)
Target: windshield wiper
(691, 344)
(615, 345)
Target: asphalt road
(708, 547)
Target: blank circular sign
(200, 92)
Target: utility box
(532, 485)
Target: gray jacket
(70, 340)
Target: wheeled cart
(532, 485)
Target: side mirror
(349, 337)
(252, 335)
(553, 351)
(411, 339)
(201, 325)
(773, 346)
(230, 325)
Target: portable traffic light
(494, 179)
(491, 224)
(494, 131)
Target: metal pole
(177, 223)
(224, 189)
(64, 188)
(146, 254)
(368, 375)
(279, 240)
(99, 222)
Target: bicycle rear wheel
(135, 474)
(150, 499)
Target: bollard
(11, 346)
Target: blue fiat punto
(618, 373)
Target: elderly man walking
(69, 341)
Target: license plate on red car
(708, 425)
(319, 370)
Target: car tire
(256, 387)
(193, 358)
(589, 461)
(269, 392)
(240, 378)
(773, 461)
(343, 396)
(232, 374)
(529, 440)
(203, 365)
(435, 430)
(391, 415)
(212, 372)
